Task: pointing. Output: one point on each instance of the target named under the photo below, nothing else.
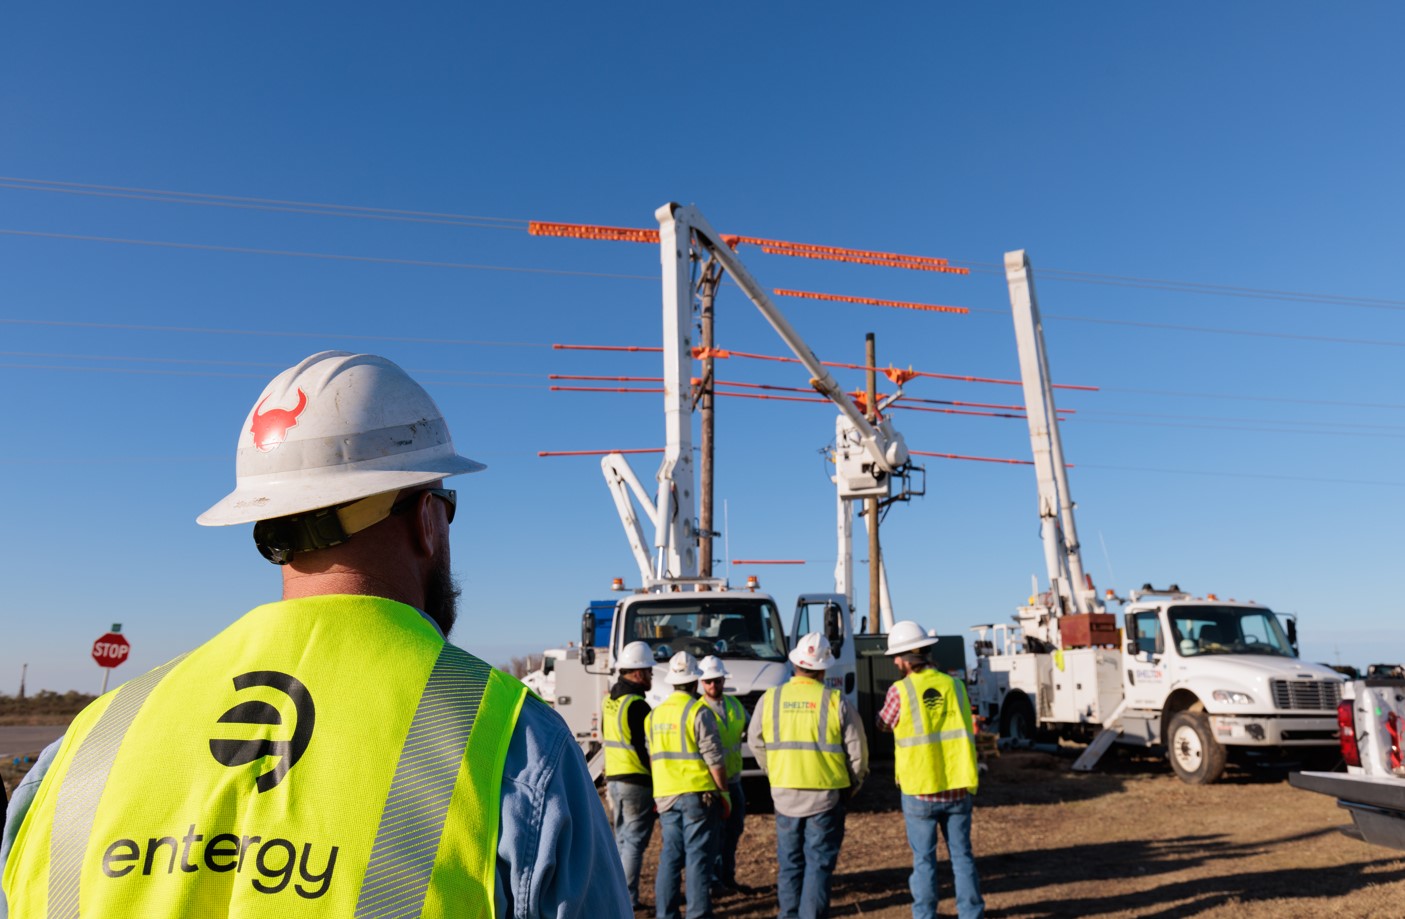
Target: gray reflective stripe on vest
(417, 806)
(685, 753)
(817, 746)
(916, 740)
(83, 786)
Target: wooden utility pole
(875, 557)
(707, 443)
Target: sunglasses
(448, 495)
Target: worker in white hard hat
(330, 751)
(690, 791)
(628, 781)
(731, 725)
(930, 718)
(812, 746)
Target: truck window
(1227, 630)
(735, 627)
(1146, 628)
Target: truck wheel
(1017, 719)
(1196, 756)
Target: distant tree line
(44, 705)
(521, 666)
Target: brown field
(1126, 840)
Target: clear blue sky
(1242, 444)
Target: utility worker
(813, 749)
(690, 782)
(628, 780)
(930, 718)
(330, 754)
(731, 725)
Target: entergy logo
(255, 711)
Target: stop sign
(111, 650)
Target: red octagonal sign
(111, 650)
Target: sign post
(110, 650)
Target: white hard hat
(713, 668)
(637, 655)
(909, 636)
(683, 669)
(812, 652)
(335, 428)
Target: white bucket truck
(1203, 678)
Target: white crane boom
(1062, 557)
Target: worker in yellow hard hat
(330, 752)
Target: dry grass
(1126, 841)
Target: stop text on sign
(111, 650)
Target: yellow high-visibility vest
(935, 741)
(673, 747)
(803, 733)
(731, 724)
(328, 757)
(621, 758)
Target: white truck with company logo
(1207, 680)
(1371, 719)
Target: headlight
(1233, 698)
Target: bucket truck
(674, 609)
(1207, 680)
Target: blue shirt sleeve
(20, 802)
(556, 853)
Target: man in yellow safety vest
(810, 742)
(731, 724)
(690, 782)
(330, 754)
(935, 746)
(628, 780)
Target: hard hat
(637, 655)
(812, 652)
(713, 668)
(683, 669)
(909, 636)
(336, 428)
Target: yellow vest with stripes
(620, 756)
(328, 757)
(803, 733)
(935, 742)
(731, 724)
(673, 747)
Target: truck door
(1144, 674)
(829, 614)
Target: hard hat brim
(800, 661)
(682, 679)
(911, 646)
(269, 497)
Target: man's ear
(426, 525)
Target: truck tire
(1017, 721)
(1196, 756)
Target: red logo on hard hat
(272, 426)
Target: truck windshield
(1227, 630)
(726, 626)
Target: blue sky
(1241, 442)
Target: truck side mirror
(588, 638)
(833, 626)
(1293, 634)
(1133, 648)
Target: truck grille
(1317, 695)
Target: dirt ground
(1126, 840)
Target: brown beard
(441, 595)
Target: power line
(147, 371)
(131, 327)
(326, 256)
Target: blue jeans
(633, 806)
(731, 834)
(689, 837)
(924, 819)
(807, 849)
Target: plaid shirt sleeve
(892, 707)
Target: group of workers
(333, 754)
(682, 762)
